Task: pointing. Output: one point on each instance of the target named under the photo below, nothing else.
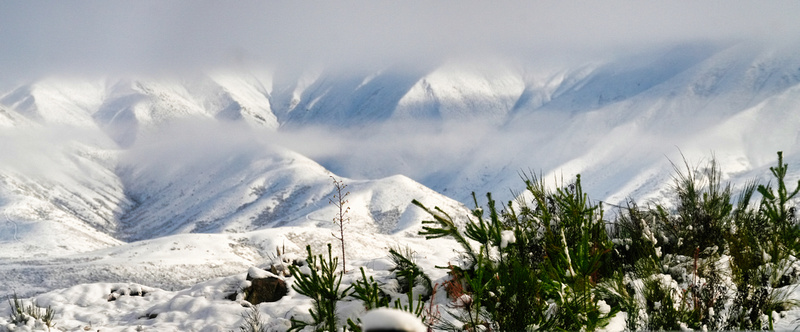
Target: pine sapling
(251, 321)
(775, 206)
(368, 291)
(323, 286)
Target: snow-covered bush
(369, 292)
(252, 321)
(705, 261)
(323, 286)
(547, 277)
(408, 285)
(411, 281)
(716, 250)
(30, 316)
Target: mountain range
(220, 166)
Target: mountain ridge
(112, 161)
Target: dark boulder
(264, 289)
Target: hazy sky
(120, 37)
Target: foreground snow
(206, 305)
(202, 305)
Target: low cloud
(125, 37)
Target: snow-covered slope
(69, 208)
(238, 183)
(59, 192)
(692, 111)
(134, 106)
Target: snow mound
(385, 319)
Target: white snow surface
(179, 187)
(391, 319)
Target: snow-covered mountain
(467, 126)
(222, 165)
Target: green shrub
(368, 291)
(578, 253)
(686, 243)
(252, 321)
(21, 313)
(764, 244)
(409, 275)
(536, 268)
(782, 219)
(661, 264)
(701, 215)
(323, 286)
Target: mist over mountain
(464, 127)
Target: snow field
(203, 306)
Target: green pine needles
(369, 292)
(782, 219)
(251, 321)
(323, 286)
(551, 261)
(538, 264)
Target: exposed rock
(264, 287)
(131, 290)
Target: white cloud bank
(125, 37)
